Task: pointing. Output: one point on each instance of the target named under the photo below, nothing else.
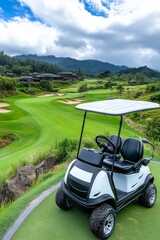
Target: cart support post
(119, 132)
(80, 140)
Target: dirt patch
(72, 101)
(7, 139)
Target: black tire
(61, 200)
(148, 198)
(102, 221)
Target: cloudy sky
(122, 32)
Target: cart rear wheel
(148, 198)
(102, 221)
(61, 200)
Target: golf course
(39, 122)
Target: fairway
(40, 122)
(47, 221)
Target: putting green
(39, 122)
(47, 221)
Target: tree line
(19, 67)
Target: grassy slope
(133, 222)
(11, 212)
(39, 122)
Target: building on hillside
(26, 78)
(10, 74)
(48, 76)
(68, 75)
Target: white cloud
(128, 35)
(23, 36)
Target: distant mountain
(141, 70)
(90, 67)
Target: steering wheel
(104, 145)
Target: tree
(83, 88)
(46, 85)
(120, 89)
(153, 128)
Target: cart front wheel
(102, 221)
(61, 200)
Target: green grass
(47, 221)
(10, 213)
(39, 122)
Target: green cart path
(47, 221)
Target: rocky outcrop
(16, 186)
(45, 165)
(23, 179)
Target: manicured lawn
(47, 221)
(39, 122)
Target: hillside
(90, 67)
(142, 70)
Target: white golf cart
(107, 180)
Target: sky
(121, 32)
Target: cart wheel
(61, 200)
(102, 221)
(148, 198)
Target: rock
(45, 165)
(26, 175)
(16, 186)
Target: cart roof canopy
(117, 106)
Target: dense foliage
(20, 67)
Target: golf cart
(107, 180)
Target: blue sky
(122, 32)
(12, 8)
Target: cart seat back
(132, 150)
(132, 153)
(114, 139)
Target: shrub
(155, 97)
(138, 94)
(152, 129)
(64, 149)
(83, 88)
(88, 142)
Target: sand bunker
(3, 104)
(51, 95)
(47, 95)
(72, 101)
(4, 110)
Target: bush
(64, 149)
(138, 94)
(155, 97)
(152, 88)
(153, 128)
(83, 88)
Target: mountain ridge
(89, 66)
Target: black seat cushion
(132, 153)
(120, 166)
